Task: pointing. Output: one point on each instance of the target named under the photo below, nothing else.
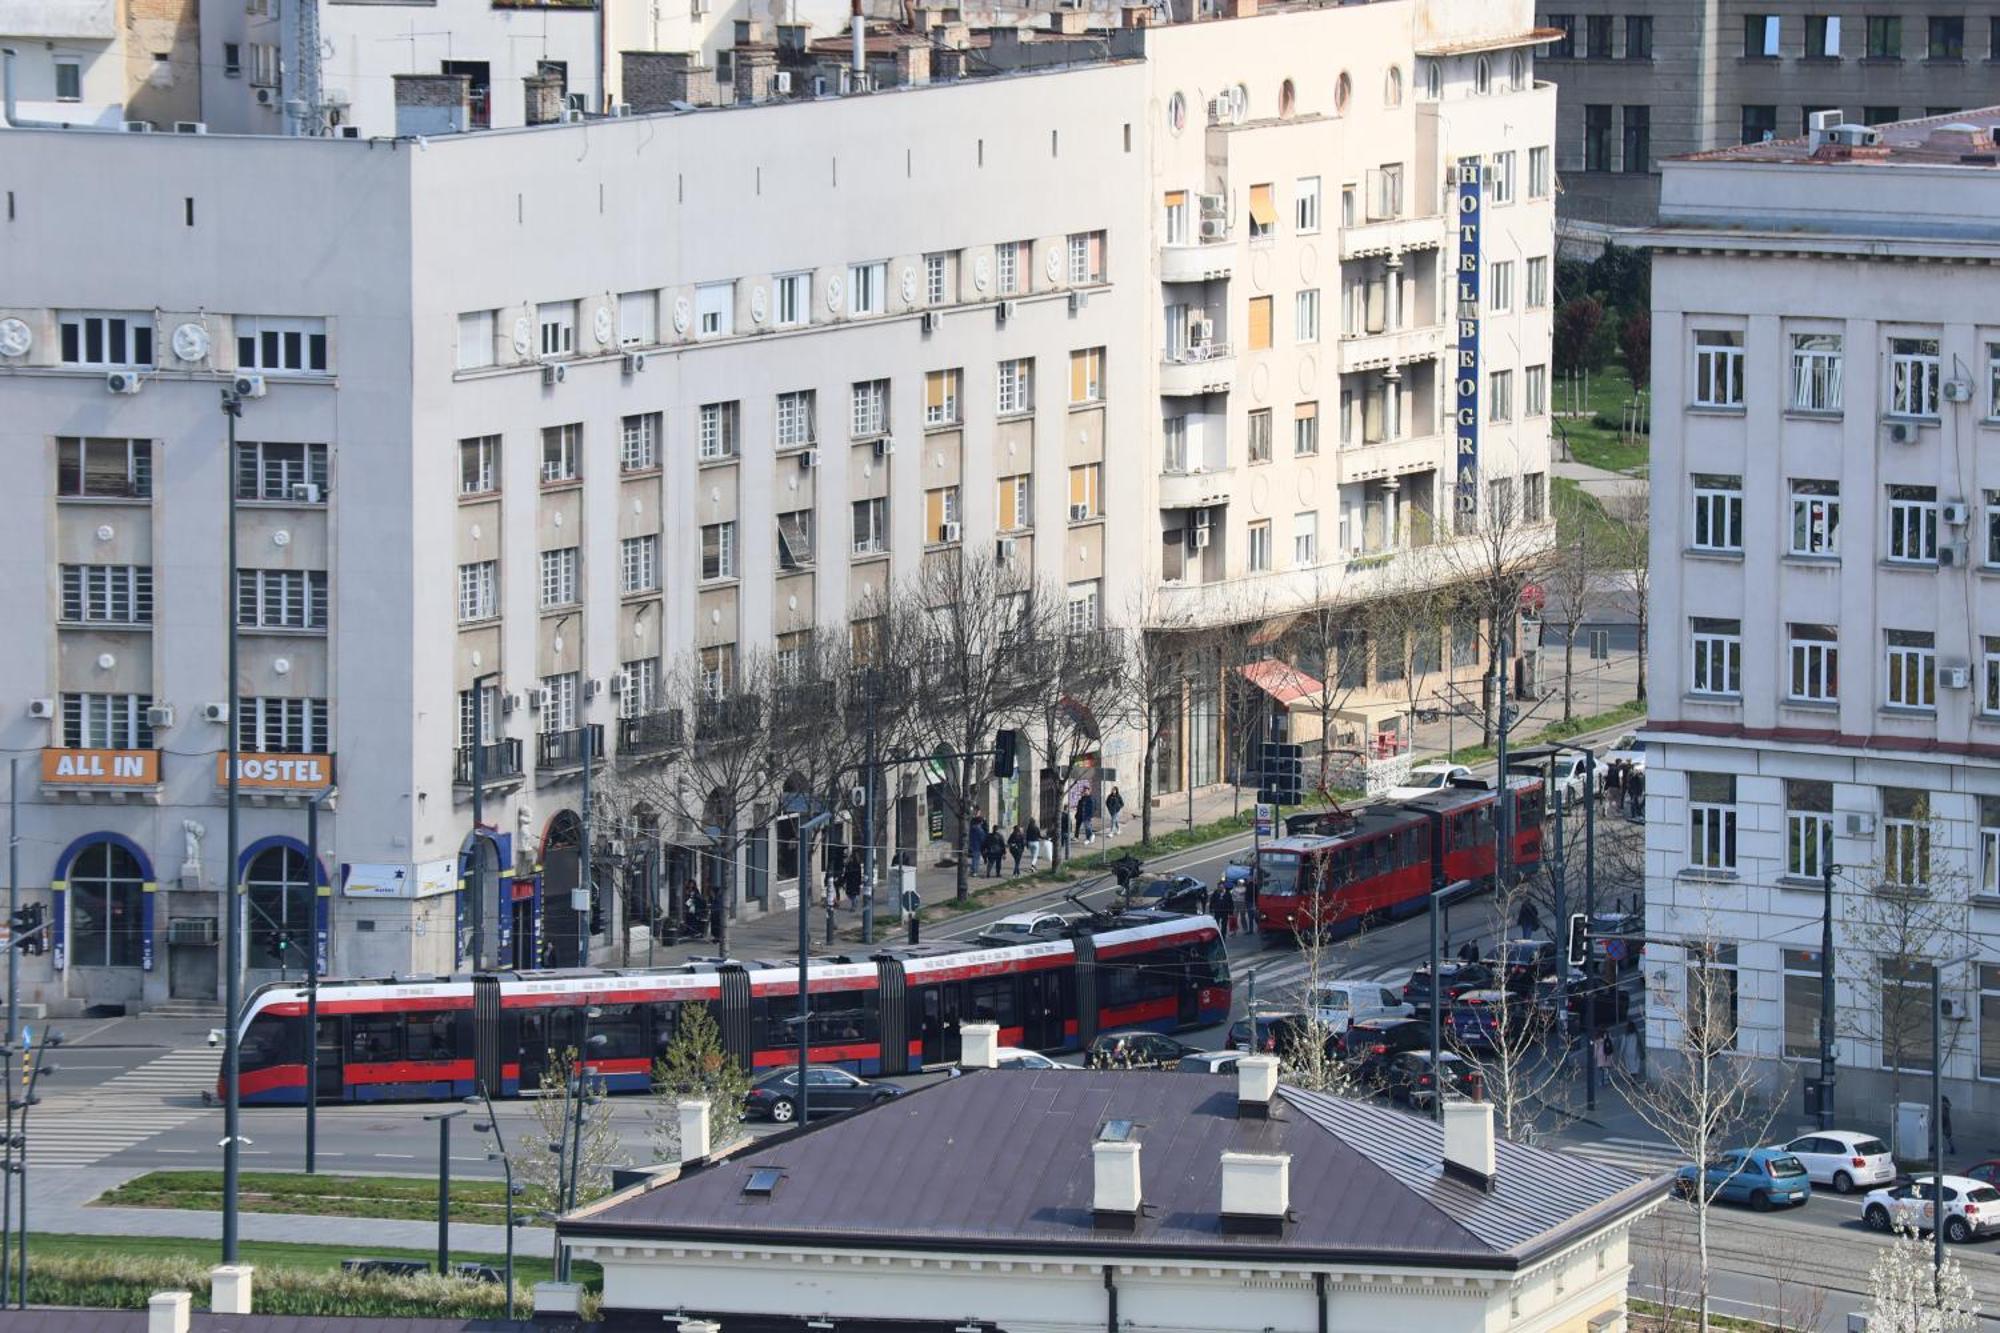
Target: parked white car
(1844, 1159)
(1424, 779)
(1016, 1057)
(1568, 770)
(1339, 1003)
(1971, 1207)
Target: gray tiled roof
(1001, 1161)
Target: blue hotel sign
(1465, 377)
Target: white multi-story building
(99, 63)
(1826, 660)
(576, 403)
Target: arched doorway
(279, 900)
(488, 922)
(564, 930)
(107, 889)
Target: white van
(1338, 1003)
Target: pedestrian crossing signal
(1282, 768)
(1579, 939)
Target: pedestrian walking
(1630, 1053)
(1114, 805)
(1250, 901)
(1222, 906)
(1468, 952)
(695, 908)
(1034, 835)
(996, 852)
(1601, 1053)
(851, 881)
(1064, 834)
(1950, 1144)
(1528, 919)
(1613, 786)
(1086, 818)
(1635, 793)
(1017, 843)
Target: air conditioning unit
(541, 697)
(1202, 331)
(160, 715)
(884, 447)
(1951, 555)
(1487, 176)
(190, 127)
(123, 381)
(555, 373)
(138, 127)
(508, 703)
(1954, 677)
(1955, 513)
(928, 322)
(215, 712)
(574, 116)
(620, 110)
(1212, 204)
(591, 685)
(634, 362)
(948, 532)
(1902, 432)
(1214, 229)
(808, 459)
(1003, 311)
(267, 96)
(1958, 391)
(1860, 826)
(1077, 301)
(781, 83)
(1952, 1009)
(1078, 513)
(43, 708)
(248, 386)
(306, 493)
(1219, 109)
(1003, 549)
(618, 685)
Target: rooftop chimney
(1256, 1084)
(694, 1130)
(978, 1045)
(229, 1288)
(1468, 1143)
(1256, 1191)
(1114, 1203)
(558, 1301)
(433, 103)
(860, 28)
(167, 1312)
(1241, 9)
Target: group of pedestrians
(1625, 788)
(1235, 914)
(1028, 846)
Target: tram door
(1042, 1000)
(331, 1050)
(941, 1017)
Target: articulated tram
(888, 1012)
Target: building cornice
(1823, 740)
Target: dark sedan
(1135, 1049)
(1408, 1078)
(1369, 1045)
(1169, 893)
(1457, 979)
(829, 1091)
(1276, 1034)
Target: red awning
(1282, 681)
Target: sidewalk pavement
(1600, 483)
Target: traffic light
(1003, 753)
(1579, 939)
(1282, 768)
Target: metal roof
(1000, 1161)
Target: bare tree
(557, 1147)
(1520, 1049)
(1408, 627)
(1153, 664)
(1567, 584)
(1494, 553)
(1329, 638)
(1230, 648)
(1075, 688)
(1630, 555)
(1314, 1063)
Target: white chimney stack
(694, 1130)
(1256, 1085)
(1115, 1167)
(1256, 1191)
(978, 1045)
(167, 1312)
(1468, 1142)
(860, 27)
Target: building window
(1013, 503)
(718, 671)
(557, 322)
(291, 473)
(1947, 37)
(1912, 668)
(639, 564)
(1760, 123)
(1305, 430)
(1913, 377)
(1540, 179)
(715, 309)
(1638, 141)
(1263, 213)
(1086, 375)
(1880, 115)
(271, 725)
(91, 468)
(1500, 284)
(1086, 491)
(1534, 497)
(475, 340)
(1638, 36)
(1174, 204)
(937, 279)
(69, 80)
(1538, 282)
(1718, 657)
(1718, 513)
(1014, 387)
(1259, 554)
(1086, 257)
(1260, 323)
(941, 522)
(1712, 821)
(715, 430)
(1988, 884)
(1822, 37)
(1808, 828)
(1537, 385)
(639, 442)
(559, 582)
(558, 703)
(1500, 188)
(1990, 675)
(1305, 316)
(1815, 517)
(1760, 36)
(1174, 445)
(479, 465)
(941, 395)
(1563, 47)
(1906, 838)
(1084, 599)
(1500, 396)
(478, 591)
(1913, 524)
(1305, 539)
(718, 551)
(281, 599)
(95, 338)
(1816, 372)
(1815, 653)
(871, 526)
(477, 712)
(1597, 36)
(107, 721)
(1989, 1021)
(1013, 261)
(795, 539)
(1597, 137)
(1802, 1003)
(107, 594)
(638, 319)
(794, 299)
(1718, 368)
(795, 419)
(278, 346)
(638, 687)
(868, 409)
(107, 895)
(1259, 437)
(867, 287)
(1305, 203)
(562, 448)
(1993, 349)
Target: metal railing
(501, 760)
(565, 749)
(650, 733)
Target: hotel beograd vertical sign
(1465, 377)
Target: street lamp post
(491, 1124)
(1439, 896)
(33, 1096)
(444, 1119)
(232, 926)
(312, 984)
(578, 1102)
(1826, 1051)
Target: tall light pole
(312, 983)
(492, 1123)
(1827, 1071)
(444, 1119)
(232, 930)
(479, 817)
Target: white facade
(447, 332)
(1822, 336)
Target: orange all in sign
(277, 772)
(101, 768)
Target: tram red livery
(886, 1013)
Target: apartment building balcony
(1208, 261)
(568, 749)
(1197, 369)
(1392, 236)
(499, 763)
(1395, 458)
(1391, 347)
(1338, 580)
(1196, 488)
(651, 733)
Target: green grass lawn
(1579, 515)
(1609, 390)
(395, 1197)
(273, 1254)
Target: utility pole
(870, 682)
(232, 922)
(585, 889)
(312, 985)
(479, 817)
(13, 898)
(1827, 1071)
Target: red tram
(887, 1013)
(1383, 860)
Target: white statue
(192, 834)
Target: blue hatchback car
(1764, 1178)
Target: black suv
(1369, 1044)
(1458, 979)
(1277, 1034)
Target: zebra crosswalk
(72, 1127)
(1645, 1157)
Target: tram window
(534, 1034)
(432, 1036)
(843, 1017)
(623, 1029)
(992, 1001)
(1528, 808)
(666, 1020)
(375, 1037)
(271, 1040)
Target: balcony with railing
(1389, 347)
(1196, 487)
(1211, 260)
(1392, 236)
(499, 761)
(568, 749)
(1198, 368)
(651, 733)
